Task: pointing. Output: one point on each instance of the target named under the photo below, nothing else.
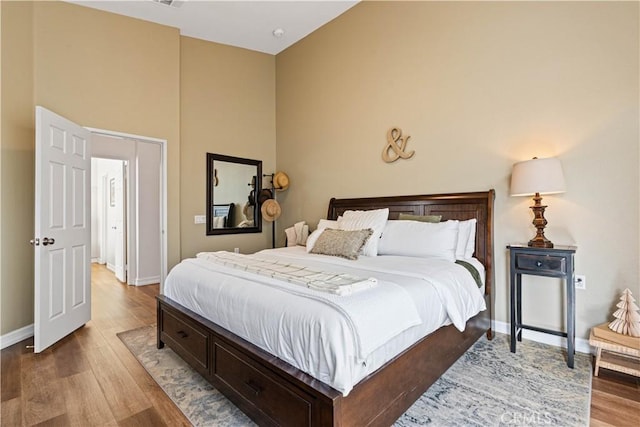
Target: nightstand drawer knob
(538, 263)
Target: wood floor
(91, 379)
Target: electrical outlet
(236, 250)
(580, 281)
(200, 219)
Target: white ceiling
(242, 23)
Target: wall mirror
(233, 184)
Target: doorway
(127, 174)
(108, 215)
(62, 240)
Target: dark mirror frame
(211, 158)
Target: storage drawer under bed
(285, 406)
(187, 339)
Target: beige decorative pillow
(423, 218)
(342, 243)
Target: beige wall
(17, 167)
(227, 102)
(99, 70)
(111, 72)
(107, 71)
(478, 86)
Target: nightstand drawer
(541, 263)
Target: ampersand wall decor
(396, 145)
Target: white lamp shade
(542, 176)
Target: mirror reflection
(232, 186)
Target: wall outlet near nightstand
(200, 219)
(580, 281)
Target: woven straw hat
(271, 210)
(280, 181)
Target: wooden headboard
(459, 206)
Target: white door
(62, 240)
(120, 241)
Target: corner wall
(478, 86)
(227, 103)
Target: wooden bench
(622, 355)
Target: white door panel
(119, 235)
(62, 268)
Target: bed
(274, 392)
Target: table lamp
(536, 177)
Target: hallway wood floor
(91, 379)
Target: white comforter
(311, 334)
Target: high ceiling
(249, 24)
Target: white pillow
(420, 239)
(291, 236)
(361, 220)
(471, 242)
(313, 237)
(302, 232)
(466, 239)
(463, 238)
(328, 223)
(322, 224)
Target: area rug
(487, 386)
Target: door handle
(35, 242)
(47, 241)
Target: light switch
(200, 219)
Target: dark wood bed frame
(272, 392)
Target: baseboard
(141, 281)
(16, 336)
(111, 267)
(582, 345)
(95, 260)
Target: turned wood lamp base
(539, 241)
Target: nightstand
(549, 262)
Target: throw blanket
(335, 283)
(474, 272)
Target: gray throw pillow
(343, 243)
